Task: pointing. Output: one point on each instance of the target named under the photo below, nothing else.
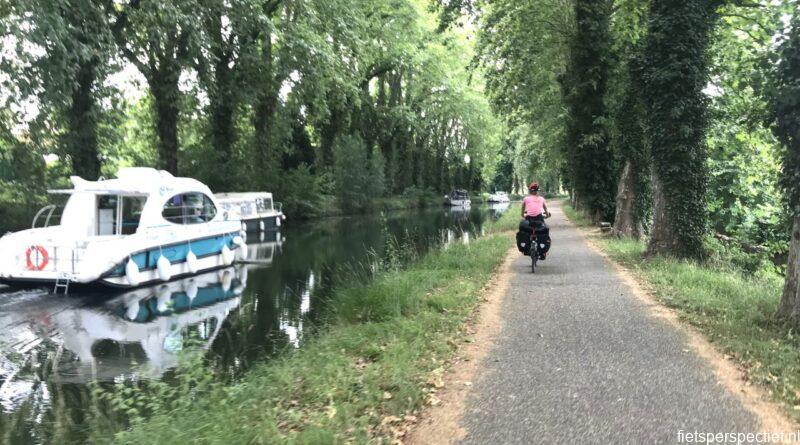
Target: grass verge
(360, 381)
(733, 308)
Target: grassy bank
(734, 308)
(358, 381)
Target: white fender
(132, 273)
(164, 268)
(241, 251)
(227, 256)
(226, 280)
(261, 226)
(191, 289)
(277, 221)
(163, 296)
(191, 262)
(243, 272)
(132, 311)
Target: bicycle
(535, 246)
(534, 251)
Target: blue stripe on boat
(177, 253)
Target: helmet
(534, 187)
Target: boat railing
(49, 214)
(278, 207)
(60, 258)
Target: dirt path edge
(440, 424)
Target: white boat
(257, 211)
(499, 197)
(458, 198)
(144, 227)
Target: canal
(53, 347)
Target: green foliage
(523, 50)
(744, 201)
(358, 175)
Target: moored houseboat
(145, 226)
(257, 210)
(498, 197)
(458, 198)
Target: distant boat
(257, 211)
(144, 227)
(499, 197)
(458, 198)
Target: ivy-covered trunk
(81, 139)
(634, 193)
(786, 108)
(675, 75)
(584, 86)
(790, 303)
(626, 222)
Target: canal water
(53, 347)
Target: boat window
(132, 207)
(263, 204)
(107, 215)
(119, 215)
(189, 208)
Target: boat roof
(135, 181)
(243, 195)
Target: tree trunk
(676, 71)
(790, 303)
(165, 102)
(264, 110)
(222, 105)
(625, 220)
(81, 139)
(663, 238)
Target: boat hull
(261, 224)
(207, 250)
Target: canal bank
(57, 352)
(365, 377)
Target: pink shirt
(534, 205)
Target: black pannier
(524, 242)
(524, 236)
(543, 235)
(526, 228)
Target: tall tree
(230, 30)
(585, 85)
(159, 38)
(676, 73)
(786, 106)
(76, 44)
(627, 110)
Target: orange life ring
(42, 258)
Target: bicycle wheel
(534, 256)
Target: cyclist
(534, 209)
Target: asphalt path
(580, 359)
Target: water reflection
(53, 345)
(496, 209)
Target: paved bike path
(581, 360)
